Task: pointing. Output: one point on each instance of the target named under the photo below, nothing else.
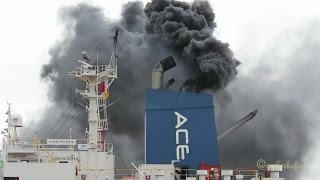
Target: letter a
(180, 120)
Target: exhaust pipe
(169, 83)
(157, 72)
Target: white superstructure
(67, 159)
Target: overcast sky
(29, 28)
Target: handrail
(133, 172)
(40, 144)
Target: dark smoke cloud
(284, 88)
(86, 28)
(185, 32)
(133, 18)
(188, 29)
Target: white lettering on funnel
(182, 147)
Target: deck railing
(129, 174)
(111, 71)
(40, 144)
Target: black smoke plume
(173, 28)
(133, 18)
(184, 31)
(188, 29)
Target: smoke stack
(169, 83)
(157, 72)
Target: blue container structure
(180, 129)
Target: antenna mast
(98, 80)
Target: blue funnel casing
(180, 128)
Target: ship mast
(10, 133)
(98, 79)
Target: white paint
(45, 164)
(61, 141)
(83, 147)
(202, 174)
(181, 149)
(226, 174)
(156, 171)
(180, 120)
(40, 171)
(186, 135)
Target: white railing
(111, 70)
(247, 174)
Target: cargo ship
(174, 148)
